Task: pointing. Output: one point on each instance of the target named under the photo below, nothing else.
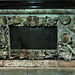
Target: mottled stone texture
(35, 11)
(37, 72)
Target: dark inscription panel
(22, 37)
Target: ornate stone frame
(62, 18)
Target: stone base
(37, 71)
(37, 67)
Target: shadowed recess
(33, 38)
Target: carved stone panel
(65, 33)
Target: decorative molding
(37, 11)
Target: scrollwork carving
(3, 38)
(13, 20)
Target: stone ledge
(37, 11)
(40, 68)
(37, 63)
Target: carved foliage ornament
(32, 21)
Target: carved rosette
(65, 20)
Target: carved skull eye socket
(29, 18)
(9, 18)
(34, 19)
